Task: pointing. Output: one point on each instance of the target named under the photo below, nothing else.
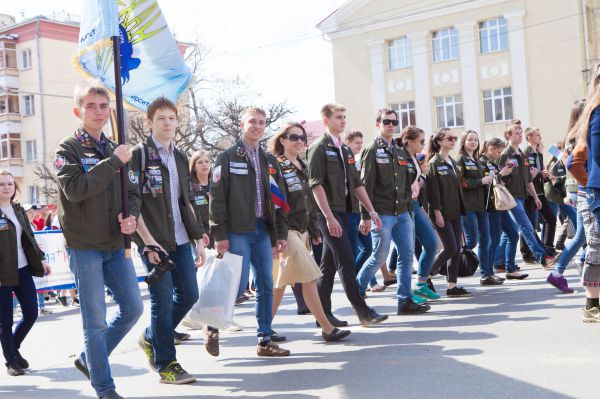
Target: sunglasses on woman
(394, 122)
(451, 138)
(296, 137)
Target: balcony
(8, 59)
(13, 165)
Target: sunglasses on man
(394, 122)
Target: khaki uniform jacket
(472, 190)
(233, 195)
(556, 192)
(443, 188)
(532, 157)
(489, 166)
(386, 176)
(154, 185)
(90, 193)
(517, 181)
(9, 268)
(302, 216)
(326, 168)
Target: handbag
(467, 265)
(503, 199)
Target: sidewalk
(519, 340)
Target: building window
(28, 108)
(406, 114)
(31, 150)
(399, 53)
(33, 194)
(26, 59)
(449, 111)
(9, 103)
(497, 105)
(445, 45)
(493, 35)
(8, 55)
(10, 146)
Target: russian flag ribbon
(277, 196)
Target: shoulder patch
(60, 162)
(133, 177)
(216, 174)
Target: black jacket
(472, 190)
(443, 188)
(9, 268)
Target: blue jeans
(573, 246)
(400, 229)
(526, 228)
(170, 300)
(255, 248)
(93, 269)
(362, 246)
(425, 233)
(477, 233)
(567, 210)
(25, 294)
(503, 251)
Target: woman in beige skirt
(296, 265)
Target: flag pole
(121, 135)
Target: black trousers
(338, 256)
(548, 217)
(451, 237)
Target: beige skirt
(295, 265)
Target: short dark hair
(160, 103)
(354, 134)
(383, 112)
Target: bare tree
(48, 185)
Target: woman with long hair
(474, 186)
(412, 139)
(499, 221)
(296, 265)
(445, 206)
(22, 259)
(519, 184)
(200, 168)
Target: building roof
(48, 28)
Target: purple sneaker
(560, 283)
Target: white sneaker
(192, 325)
(234, 327)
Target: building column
(469, 77)
(518, 66)
(376, 48)
(422, 84)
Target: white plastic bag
(218, 283)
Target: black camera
(165, 265)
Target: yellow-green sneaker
(173, 373)
(147, 349)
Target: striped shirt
(253, 153)
(167, 156)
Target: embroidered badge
(272, 171)
(133, 177)
(240, 152)
(331, 153)
(216, 174)
(402, 163)
(59, 163)
(380, 142)
(84, 138)
(153, 154)
(351, 160)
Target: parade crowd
(297, 215)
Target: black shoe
(335, 335)
(389, 281)
(177, 336)
(334, 321)
(303, 311)
(13, 369)
(529, 258)
(499, 268)
(62, 300)
(457, 292)
(363, 295)
(560, 246)
(22, 362)
(372, 318)
(275, 337)
(491, 280)
(430, 285)
(111, 395)
(82, 367)
(409, 307)
(517, 277)
(551, 251)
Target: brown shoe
(271, 349)
(211, 341)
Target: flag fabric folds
(277, 196)
(151, 64)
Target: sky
(272, 45)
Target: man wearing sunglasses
(387, 180)
(336, 185)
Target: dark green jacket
(385, 174)
(443, 188)
(532, 157)
(326, 168)
(154, 184)
(9, 268)
(200, 199)
(472, 190)
(233, 195)
(517, 181)
(90, 193)
(556, 192)
(488, 166)
(303, 209)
